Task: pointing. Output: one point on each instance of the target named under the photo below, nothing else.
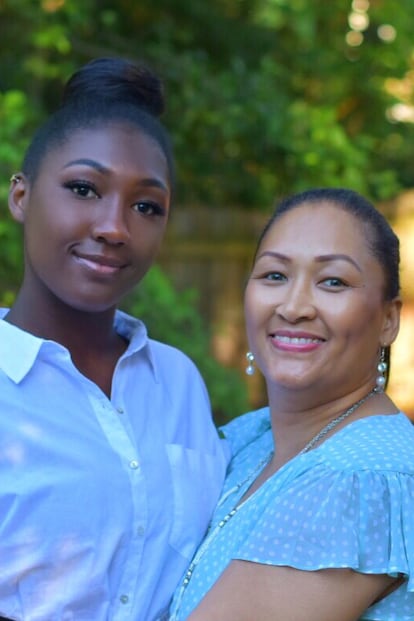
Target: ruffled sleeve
(322, 517)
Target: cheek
(50, 223)
(260, 300)
(146, 246)
(257, 310)
(43, 242)
(248, 314)
(249, 303)
(146, 234)
(357, 321)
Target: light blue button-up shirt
(102, 502)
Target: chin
(90, 301)
(289, 382)
(91, 306)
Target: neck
(52, 319)
(336, 422)
(295, 426)
(91, 339)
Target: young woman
(105, 434)
(316, 518)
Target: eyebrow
(84, 161)
(325, 258)
(338, 257)
(100, 168)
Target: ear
(391, 324)
(18, 196)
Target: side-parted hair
(383, 242)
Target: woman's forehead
(327, 222)
(109, 144)
(310, 231)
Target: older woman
(316, 521)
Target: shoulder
(169, 353)
(18, 350)
(247, 429)
(353, 483)
(165, 358)
(377, 443)
(174, 366)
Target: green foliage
(264, 97)
(171, 317)
(13, 117)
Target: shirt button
(140, 531)
(120, 410)
(134, 464)
(124, 599)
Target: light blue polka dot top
(348, 503)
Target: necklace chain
(333, 423)
(214, 532)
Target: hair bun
(116, 80)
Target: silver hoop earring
(382, 367)
(250, 359)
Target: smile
(296, 340)
(296, 344)
(100, 264)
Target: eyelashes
(327, 282)
(85, 190)
(334, 282)
(149, 208)
(274, 276)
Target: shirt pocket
(197, 480)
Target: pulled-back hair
(382, 241)
(104, 91)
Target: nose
(110, 223)
(298, 303)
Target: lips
(99, 263)
(296, 341)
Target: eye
(83, 189)
(148, 208)
(275, 276)
(334, 282)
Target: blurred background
(264, 98)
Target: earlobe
(391, 321)
(18, 196)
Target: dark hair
(103, 91)
(382, 240)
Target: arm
(248, 591)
